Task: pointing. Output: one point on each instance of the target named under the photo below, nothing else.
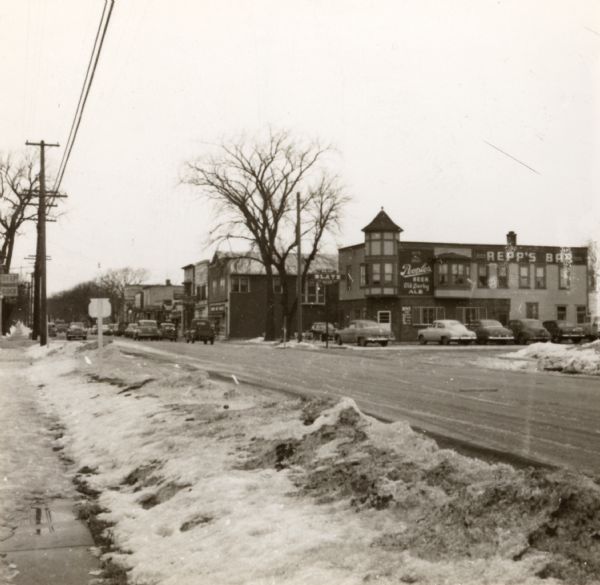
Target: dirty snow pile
(192, 481)
(570, 359)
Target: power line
(85, 89)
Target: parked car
(320, 330)
(527, 330)
(591, 329)
(61, 326)
(147, 329)
(490, 330)
(76, 330)
(563, 330)
(200, 330)
(130, 330)
(445, 331)
(168, 331)
(362, 332)
(119, 330)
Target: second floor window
(313, 293)
(349, 279)
(460, 273)
(201, 292)
(388, 272)
(240, 284)
(482, 275)
(443, 274)
(277, 288)
(524, 276)
(376, 273)
(363, 275)
(502, 276)
(564, 277)
(540, 277)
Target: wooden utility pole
(299, 275)
(42, 320)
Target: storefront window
(532, 311)
(427, 315)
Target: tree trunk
(270, 307)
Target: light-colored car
(445, 331)
(320, 330)
(130, 329)
(364, 331)
(147, 329)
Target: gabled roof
(382, 223)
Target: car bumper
(499, 338)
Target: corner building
(410, 284)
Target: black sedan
(564, 331)
(491, 331)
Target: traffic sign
(9, 285)
(99, 308)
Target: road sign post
(327, 277)
(98, 309)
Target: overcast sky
(418, 97)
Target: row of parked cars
(199, 330)
(482, 331)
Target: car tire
(422, 340)
(445, 341)
(204, 341)
(362, 342)
(383, 343)
(338, 340)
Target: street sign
(99, 308)
(9, 285)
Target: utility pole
(42, 321)
(299, 275)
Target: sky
(464, 119)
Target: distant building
(231, 291)
(161, 302)
(410, 284)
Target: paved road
(545, 417)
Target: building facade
(231, 291)
(410, 284)
(161, 302)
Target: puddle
(50, 545)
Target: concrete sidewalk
(41, 540)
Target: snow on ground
(203, 482)
(569, 359)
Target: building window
(443, 274)
(201, 292)
(460, 273)
(277, 287)
(427, 315)
(363, 275)
(467, 315)
(240, 284)
(564, 277)
(482, 275)
(376, 273)
(384, 317)
(540, 277)
(581, 314)
(388, 272)
(222, 283)
(214, 286)
(349, 279)
(561, 312)
(524, 276)
(313, 293)
(532, 310)
(502, 276)
(357, 313)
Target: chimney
(511, 239)
(168, 282)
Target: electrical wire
(85, 90)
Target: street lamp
(327, 277)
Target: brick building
(410, 284)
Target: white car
(446, 330)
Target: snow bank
(201, 482)
(570, 359)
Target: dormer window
(381, 243)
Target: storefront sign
(9, 285)
(416, 273)
(406, 316)
(531, 254)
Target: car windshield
(532, 322)
(450, 323)
(168, 326)
(80, 325)
(147, 323)
(490, 323)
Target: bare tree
(115, 282)
(253, 185)
(18, 183)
